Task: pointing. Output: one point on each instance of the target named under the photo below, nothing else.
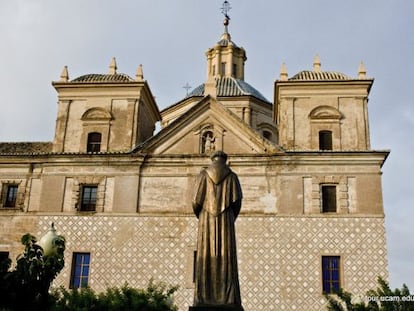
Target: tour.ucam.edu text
(409, 298)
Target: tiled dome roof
(91, 78)
(225, 40)
(308, 75)
(229, 86)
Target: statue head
(219, 155)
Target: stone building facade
(312, 218)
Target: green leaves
(380, 299)
(27, 286)
(156, 297)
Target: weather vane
(187, 87)
(225, 9)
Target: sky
(169, 38)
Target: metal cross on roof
(187, 87)
(225, 9)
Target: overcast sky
(39, 37)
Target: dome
(229, 86)
(225, 40)
(308, 75)
(92, 78)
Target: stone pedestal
(216, 308)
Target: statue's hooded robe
(217, 203)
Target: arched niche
(97, 114)
(325, 112)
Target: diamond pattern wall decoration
(279, 256)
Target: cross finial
(187, 87)
(225, 11)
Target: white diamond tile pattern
(279, 257)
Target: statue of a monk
(216, 204)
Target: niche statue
(216, 204)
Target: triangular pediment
(206, 127)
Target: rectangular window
(88, 198)
(328, 199)
(94, 142)
(331, 274)
(234, 70)
(10, 195)
(223, 69)
(325, 140)
(80, 270)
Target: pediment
(206, 127)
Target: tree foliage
(381, 299)
(156, 297)
(26, 287)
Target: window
(267, 135)
(328, 199)
(331, 278)
(194, 265)
(88, 198)
(223, 68)
(325, 140)
(94, 142)
(10, 195)
(235, 70)
(80, 270)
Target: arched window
(267, 131)
(94, 142)
(267, 135)
(325, 140)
